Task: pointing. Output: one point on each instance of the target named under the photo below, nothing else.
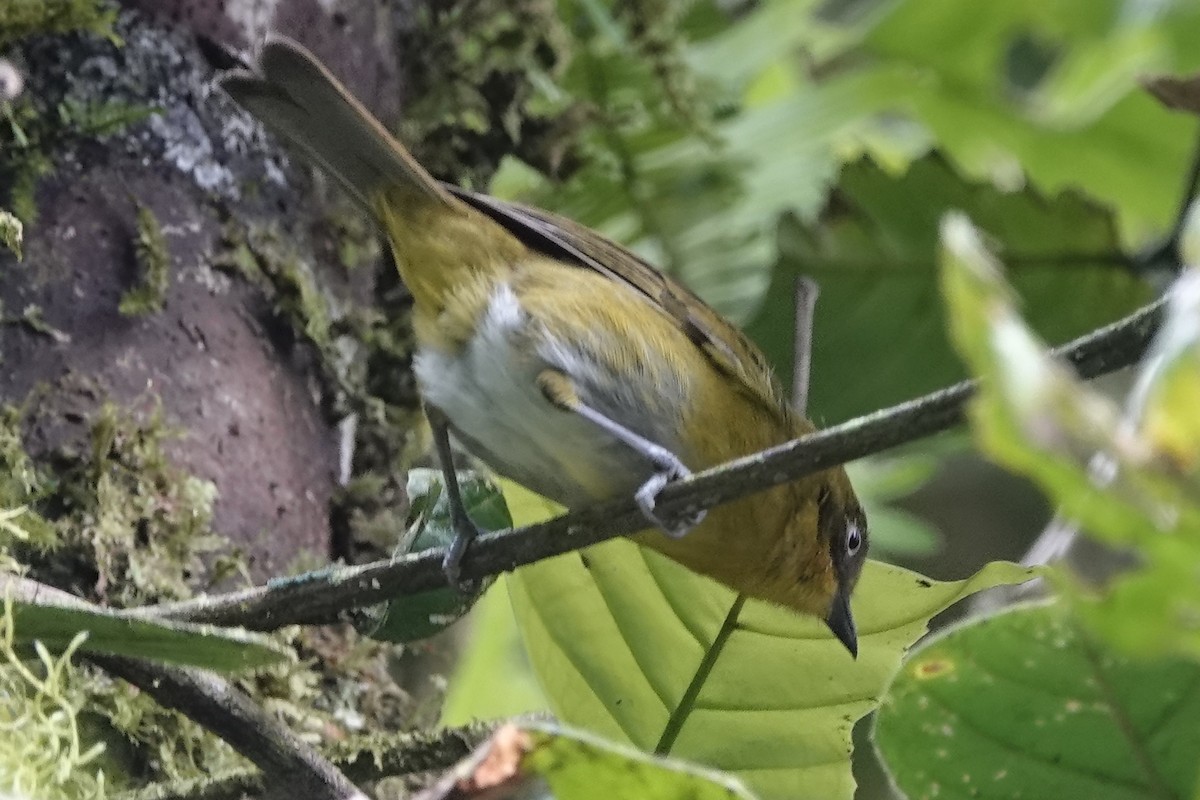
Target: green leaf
(492, 678)
(582, 767)
(1172, 381)
(1034, 416)
(1023, 704)
(1128, 478)
(1044, 92)
(617, 634)
(419, 616)
(879, 330)
(697, 183)
(117, 633)
(538, 760)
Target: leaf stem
(686, 703)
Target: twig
(320, 597)
(362, 758)
(287, 763)
(804, 292)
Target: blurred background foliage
(740, 144)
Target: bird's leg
(465, 530)
(560, 391)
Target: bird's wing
(725, 346)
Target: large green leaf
(879, 326)
(1047, 91)
(1024, 704)
(622, 642)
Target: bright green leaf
(1151, 611)
(1172, 378)
(1033, 415)
(617, 633)
(1023, 704)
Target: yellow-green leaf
(619, 635)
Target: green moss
(11, 232)
(146, 522)
(154, 261)
(260, 255)
(42, 700)
(27, 164)
(149, 740)
(21, 485)
(29, 17)
(31, 131)
(20, 481)
(127, 524)
(32, 127)
(482, 84)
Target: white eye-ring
(853, 539)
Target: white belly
(489, 392)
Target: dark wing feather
(727, 347)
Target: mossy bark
(197, 316)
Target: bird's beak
(841, 622)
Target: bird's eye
(853, 540)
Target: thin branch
(1165, 253)
(804, 291)
(319, 597)
(287, 763)
(361, 758)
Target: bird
(570, 365)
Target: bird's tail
(297, 98)
(432, 233)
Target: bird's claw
(465, 533)
(647, 498)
